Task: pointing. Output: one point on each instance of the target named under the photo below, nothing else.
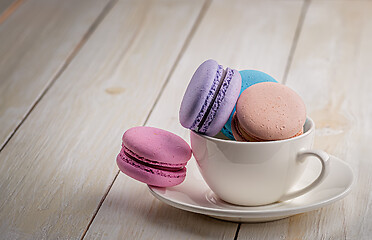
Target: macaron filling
(214, 99)
(199, 120)
(129, 164)
(149, 163)
(224, 84)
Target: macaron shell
(248, 78)
(225, 102)
(148, 175)
(270, 111)
(244, 137)
(157, 145)
(198, 93)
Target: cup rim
(308, 119)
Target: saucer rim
(254, 213)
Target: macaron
(268, 112)
(154, 156)
(249, 78)
(209, 98)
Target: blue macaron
(249, 78)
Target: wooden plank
(241, 38)
(36, 40)
(57, 167)
(331, 71)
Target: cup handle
(323, 158)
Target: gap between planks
(301, 20)
(67, 62)
(237, 231)
(201, 15)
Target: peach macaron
(268, 111)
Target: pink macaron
(268, 111)
(154, 156)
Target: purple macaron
(210, 98)
(154, 156)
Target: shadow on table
(138, 213)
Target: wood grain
(7, 7)
(130, 211)
(5, 4)
(331, 71)
(33, 48)
(57, 167)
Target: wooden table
(74, 75)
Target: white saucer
(194, 195)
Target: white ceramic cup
(257, 173)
